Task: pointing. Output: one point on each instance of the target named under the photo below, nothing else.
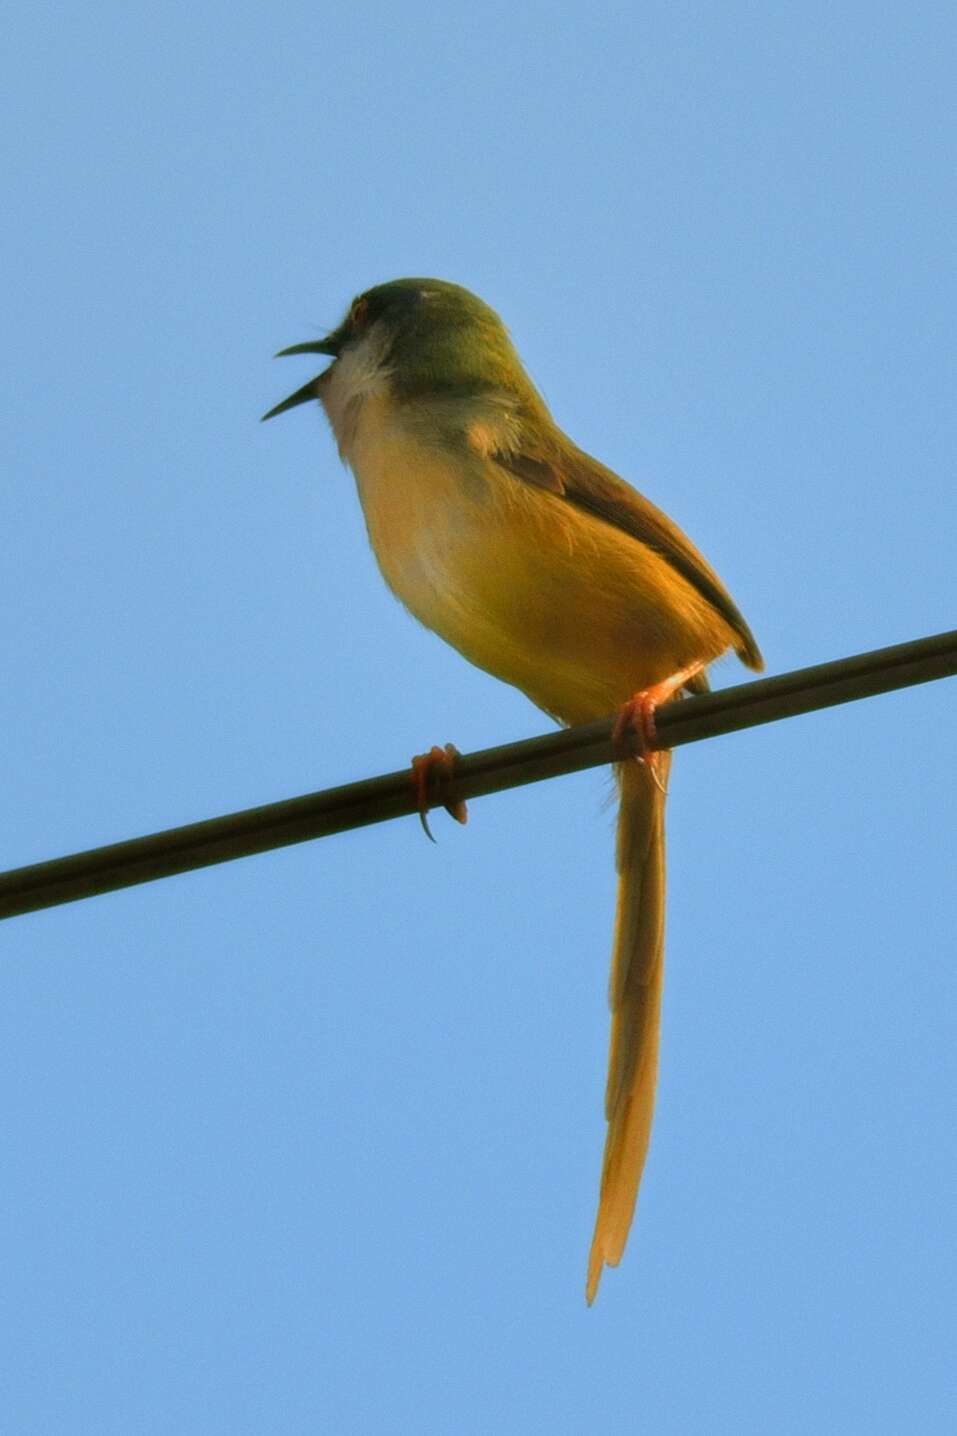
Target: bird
(544, 568)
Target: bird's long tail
(635, 999)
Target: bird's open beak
(330, 346)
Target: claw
(426, 767)
(637, 716)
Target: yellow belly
(574, 612)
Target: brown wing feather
(584, 482)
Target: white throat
(359, 372)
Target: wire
(376, 800)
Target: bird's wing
(585, 483)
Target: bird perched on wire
(543, 567)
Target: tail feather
(637, 970)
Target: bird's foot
(429, 770)
(637, 717)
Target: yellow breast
(568, 608)
(418, 518)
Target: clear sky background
(310, 1142)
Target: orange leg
(638, 714)
(437, 765)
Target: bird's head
(425, 335)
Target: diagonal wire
(375, 800)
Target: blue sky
(310, 1142)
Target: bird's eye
(358, 312)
